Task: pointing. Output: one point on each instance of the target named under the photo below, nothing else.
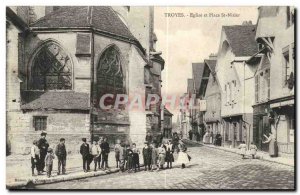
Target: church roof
(58, 100)
(102, 18)
(241, 38)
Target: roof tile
(242, 39)
(102, 18)
(60, 100)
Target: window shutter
(226, 93)
(268, 83)
(256, 88)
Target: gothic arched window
(109, 73)
(51, 69)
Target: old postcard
(150, 98)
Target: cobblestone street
(209, 169)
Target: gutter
(89, 29)
(16, 20)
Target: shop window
(291, 131)
(40, 123)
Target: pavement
(285, 160)
(209, 169)
(16, 164)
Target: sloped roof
(167, 112)
(102, 18)
(190, 86)
(198, 69)
(59, 100)
(241, 38)
(211, 64)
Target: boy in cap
(147, 153)
(129, 154)
(122, 157)
(135, 157)
(104, 153)
(117, 149)
(43, 146)
(61, 154)
(95, 151)
(35, 157)
(49, 161)
(85, 152)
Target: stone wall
(71, 126)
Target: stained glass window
(109, 73)
(52, 69)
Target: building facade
(212, 116)
(274, 108)
(236, 82)
(68, 59)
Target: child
(161, 156)
(95, 152)
(243, 149)
(183, 157)
(129, 154)
(117, 153)
(100, 156)
(61, 154)
(253, 150)
(49, 161)
(35, 157)
(135, 157)
(169, 154)
(122, 157)
(147, 152)
(154, 156)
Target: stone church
(62, 59)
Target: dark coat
(147, 153)
(85, 150)
(60, 151)
(149, 138)
(104, 148)
(169, 153)
(43, 146)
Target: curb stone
(32, 182)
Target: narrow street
(209, 169)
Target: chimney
(213, 56)
(245, 23)
(32, 15)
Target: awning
(281, 104)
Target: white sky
(184, 40)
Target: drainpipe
(92, 75)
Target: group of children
(243, 150)
(154, 156)
(37, 160)
(97, 152)
(127, 157)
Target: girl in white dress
(183, 157)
